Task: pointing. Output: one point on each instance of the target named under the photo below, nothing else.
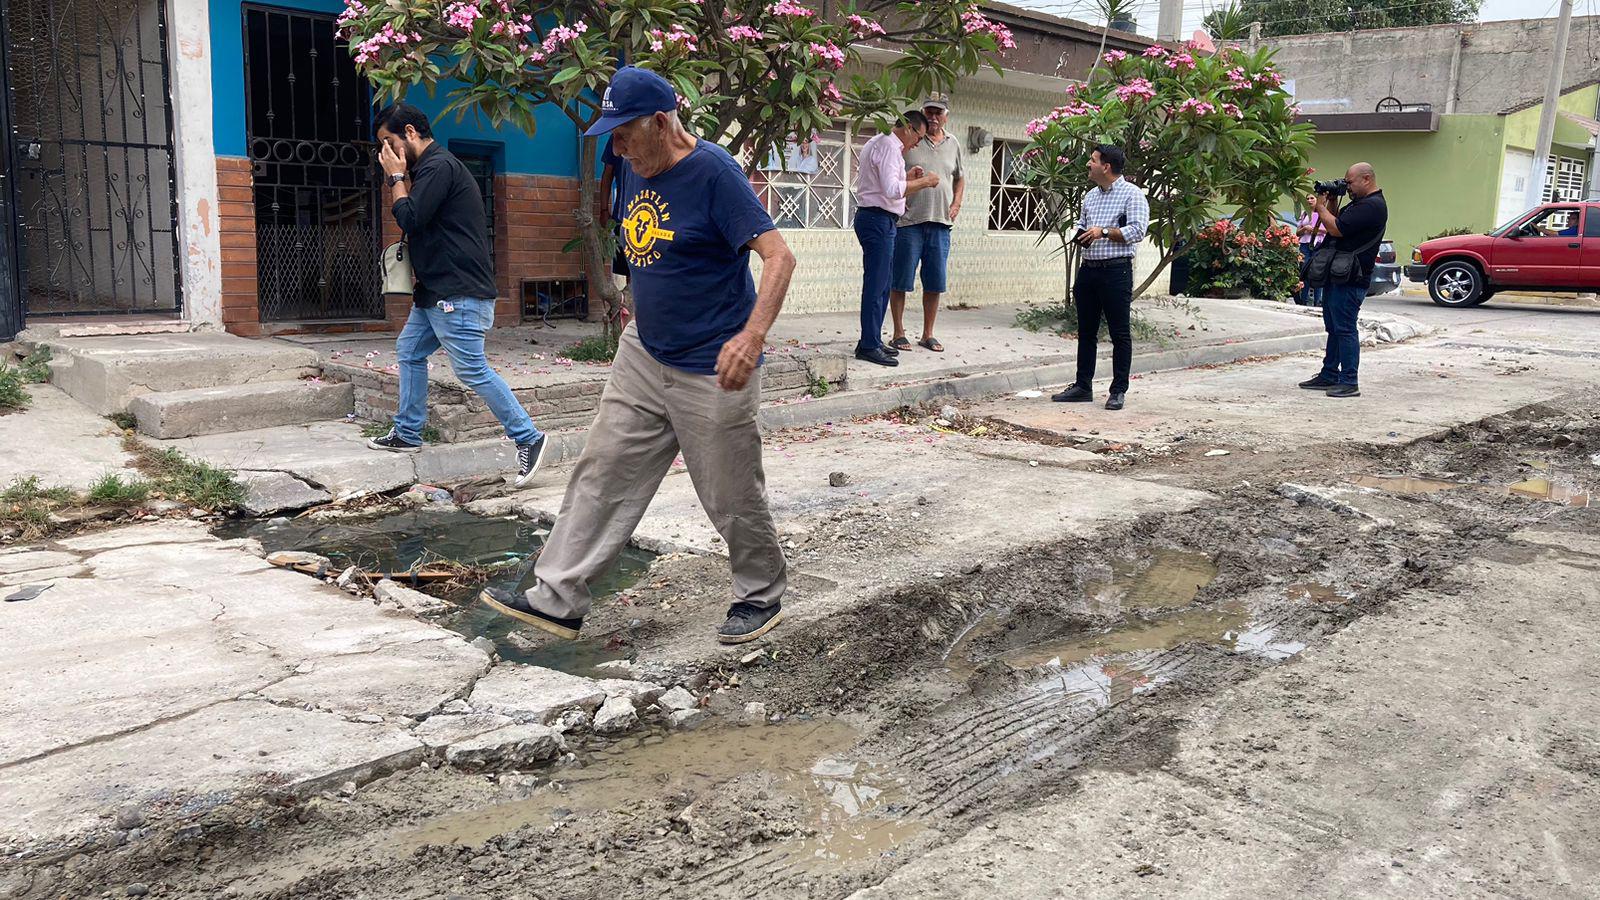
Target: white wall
(200, 246)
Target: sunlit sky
(1195, 10)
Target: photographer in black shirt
(1357, 229)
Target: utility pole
(1170, 21)
(1547, 113)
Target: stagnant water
(395, 541)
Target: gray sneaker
(747, 622)
(529, 456)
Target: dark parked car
(1553, 248)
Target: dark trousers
(1104, 291)
(875, 231)
(1341, 305)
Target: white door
(1514, 185)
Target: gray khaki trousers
(647, 414)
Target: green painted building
(1460, 171)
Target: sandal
(931, 344)
(900, 343)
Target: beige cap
(942, 101)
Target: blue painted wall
(552, 150)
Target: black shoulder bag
(1329, 265)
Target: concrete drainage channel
(901, 724)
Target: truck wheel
(1456, 283)
(1483, 298)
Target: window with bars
(480, 164)
(814, 193)
(1012, 205)
(1565, 179)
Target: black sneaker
(1318, 384)
(746, 622)
(529, 456)
(515, 605)
(393, 443)
(1076, 393)
(1344, 390)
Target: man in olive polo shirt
(922, 236)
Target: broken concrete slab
(534, 693)
(83, 445)
(387, 591)
(240, 407)
(43, 575)
(443, 730)
(615, 716)
(512, 745)
(269, 493)
(678, 699)
(333, 455)
(410, 678)
(188, 764)
(29, 560)
(175, 624)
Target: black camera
(1337, 188)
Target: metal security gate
(89, 154)
(308, 117)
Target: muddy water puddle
(1549, 488)
(503, 547)
(1154, 597)
(849, 805)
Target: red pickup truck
(1554, 248)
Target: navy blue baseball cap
(632, 94)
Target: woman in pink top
(1311, 237)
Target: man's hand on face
(738, 359)
(392, 162)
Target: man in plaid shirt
(1114, 220)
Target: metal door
(308, 115)
(90, 152)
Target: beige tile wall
(986, 267)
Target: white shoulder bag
(397, 275)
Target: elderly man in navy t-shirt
(685, 375)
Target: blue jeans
(1308, 296)
(875, 231)
(1341, 304)
(928, 244)
(457, 324)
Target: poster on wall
(798, 158)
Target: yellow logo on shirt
(641, 228)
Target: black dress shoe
(1344, 390)
(1116, 400)
(877, 357)
(1076, 393)
(892, 351)
(1318, 384)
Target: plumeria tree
(1206, 136)
(752, 74)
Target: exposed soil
(918, 716)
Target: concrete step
(106, 373)
(240, 407)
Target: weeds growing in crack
(26, 505)
(114, 489)
(178, 477)
(13, 390)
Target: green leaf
(565, 75)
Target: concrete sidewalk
(987, 355)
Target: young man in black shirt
(1357, 228)
(438, 206)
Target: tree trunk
(596, 263)
(1166, 260)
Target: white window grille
(813, 194)
(1565, 179)
(1012, 205)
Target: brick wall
(534, 222)
(237, 231)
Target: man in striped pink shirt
(882, 185)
